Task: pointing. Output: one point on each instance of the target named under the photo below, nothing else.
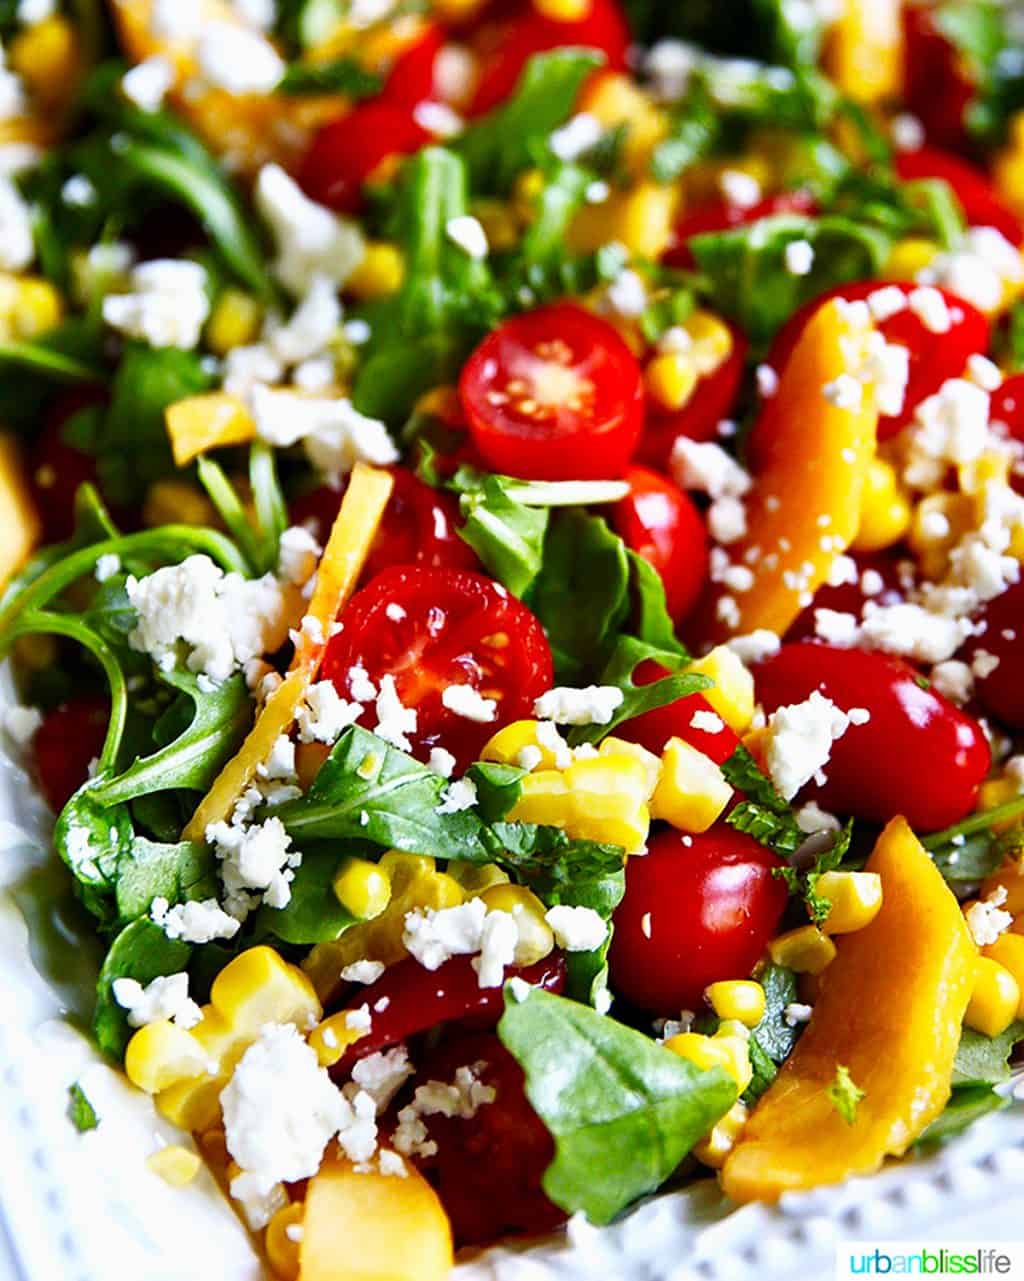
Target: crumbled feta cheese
(886, 302)
(799, 741)
(438, 118)
(313, 324)
(912, 632)
(21, 724)
(31, 12)
(594, 705)
(441, 761)
(365, 972)
(705, 466)
(434, 937)
(929, 306)
(577, 136)
(237, 60)
(983, 663)
(167, 307)
(360, 686)
(280, 764)
(17, 245)
(986, 373)
(950, 426)
(887, 367)
(799, 256)
(986, 919)
(463, 1098)
(954, 680)
(980, 270)
(382, 1075)
(176, 19)
(466, 701)
(627, 294)
(708, 722)
(795, 1013)
(767, 381)
(395, 612)
(740, 189)
(395, 721)
(298, 555)
(324, 714)
(755, 646)
(468, 234)
(498, 941)
(836, 627)
(811, 818)
(334, 434)
(458, 796)
(166, 997)
(907, 132)
(147, 83)
(669, 65)
(844, 392)
(255, 857)
(194, 921)
(107, 566)
(311, 240)
(727, 520)
(577, 929)
(551, 740)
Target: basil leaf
(983, 1060)
(81, 1112)
(313, 913)
(142, 951)
(623, 1111)
(151, 869)
(966, 1105)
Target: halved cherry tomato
(488, 1167)
(345, 153)
(419, 526)
(675, 720)
(719, 215)
(711, 402)
(981, 206)
(411, 79)
(937, 84)
(663, 525)
(66, 743)
(58, 468)
(918, 755)
(554, 394)
(697, 909)
(1001, 692)
(415, 1000)
(933, 357)
(435, 628)
(850, 598)
(505, 46)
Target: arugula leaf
(141, 951)
(845, 1094)
(313, 913)
(149, 869)
(507, 535)
(91, 839)
(694, 130)
(966, 1105)
(259, 539)
(623, 1111)
(983, 1060)
(81, 1112)
(498, 787)
(339, 75)
(653, 623)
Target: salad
(513, 515)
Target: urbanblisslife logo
(916, 1259)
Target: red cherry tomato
(504, 47)
(419, 526)
(693, 914)
(411, 79)
(488, 1168)
(57, 469)
(1007, 406)
(416, 1000)
(433, 628)
(850, 598)
(554, 394)
(66, 743)
(663, 525)
(1001, 692)
(933, 357)
(346, 152)
(712, 401)
(719, 215)
(675, 720)
(918, 755)
(982, 207)
(937, 85)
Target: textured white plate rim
(70, 1203)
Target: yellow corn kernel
(641, 219)
(991, 467)
(612, 746)
(864, 50)
(720, 1140)
(46, 56)
(728, 1052)
(805, 950)
(331, 1038)
(1008, 951)
(692, 791)
(908, 257)
(544, 799)
(995, 792)
(507, 745)
(856, 898)
(283, 1242)
(711, 341)
(379, 274)
(732, 695)
(740, 999)
(259, 987)
(174, 1164)
(607, 801)
(176, 502)
(885, 512)
(671, 379)
(161, 1054)
(193, 1105)
(939, 522)
(38, 308)
(526, 192)
(1010, 877)
(535, 937)
(500, 224)
(564, 10)
(618, 100)
(476, 878)
(361, 888)
(235, 322)
(995, 998)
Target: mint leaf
(81, 1112)
(765, 814)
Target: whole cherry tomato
(419, 527)
(711, 402)
(345, 153)
(57, 469)
(937, 83)
(488, 1167)
(981, 206)
(664, 526)
(431, 629)
(505, 46)
(675, 720)
(918, 755)
(719, 214)
(554, 394)
(878, 580)
(1001, 691)
(697, 909)
(933, 357)
(65, 745)
(415, 999)
(411, 79)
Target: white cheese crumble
(107, 566)
(458, 796)
(576, 929)
(953, 680)
(799, 741)
(298, 556)
(166, 997)
(334, 434)
(311, 241)
(238, 60)
(795, 1013)
(929, 306)
(167, 307)
(708, 722)
(799, 257)
(811, 818)
(886, 302)
(195, 921)
(466, 701)
(324, 714)
(463, 1098)
(255, 857)
(705, 466)
(311, 326)
(593, 705)
(365, 972)
(755, 646)
(147, 83)
(395, 721)
(434, 937)
(441, 761)
(987, 919)
(17, 245)
(578, 135)
(467, 233)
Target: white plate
(86, 1208)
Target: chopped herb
(845, 1094)
(81, 1112)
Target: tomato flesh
(57, 468)
(696, 909)
(981, 206)
(675, 720)
(69, 739)
(345, 153)
(918, 755)
(937, 86)
(664, 526)
(433, 628)
(1001, 691)
(554, 394)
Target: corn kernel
(607, 800)
(380, 273)
(501, 227)
(281, 1245)
(720, 1140)
(1008, 951)
(692, 791)
(476, 878)
(535, 937)
(38, 308)
(192, 1105)
(671, 379)
(728, 1052)
(331, 1038)
(174, 1164)
(544, 799)
(529, 187)
(991, 467)
(908, 257)
(616, 99)
(732, 695)
(1010, 876)
(641, 219)
(806, 950)
(161, 1054)
(885, 512)
(564, 10)
(259, 987)
(995, 998)
(506, 746)
(176, 502)
(46, 56)
(612, 746)
(939, 522)
(235, 322)
(740, 999)
(711, 341)
(856, 898)
(361, 888)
